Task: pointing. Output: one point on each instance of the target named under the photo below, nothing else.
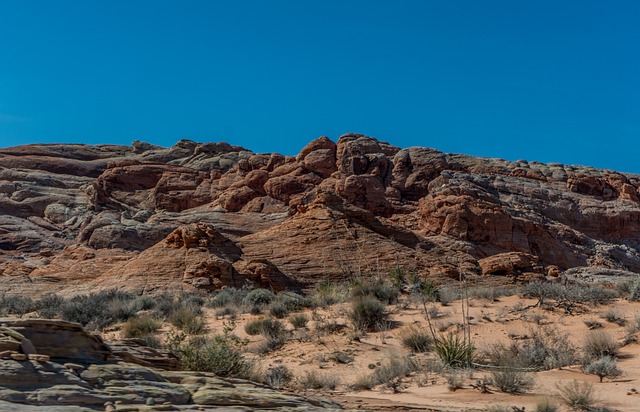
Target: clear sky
(537, 80)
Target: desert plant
(546, 406)
(455, 380)
(634, 290)
(254, 326)
(315, 380)
(392, 368)
(99, 310)
(140, 326)
(453, 350)
(614, 316)
(599, 343)
(577, 395)
(275, 335)
(258, 297)
(511, 380)
(416, 339)
(425, 289)
(341, 356)
(278, 309)
(328, 293)
(605, 367)
(184, 318)
(592, 324)
(278, 377)
(299, 321)
(16, 305)
(377, 287)
(227, 297)
(220, 354)
(368, 313)
(48, 306)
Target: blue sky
(537, 80)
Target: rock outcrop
(98, 379)
(75, 218)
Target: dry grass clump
(299, 321)
(139, 327)
(188, 320)
(511, 380)
(316, 380)
(278, 377)
(416, 339)
(392, 369)
(577, 395)
(275, 335)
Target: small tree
(605, 367)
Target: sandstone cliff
(75, 218)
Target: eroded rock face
(213, 215)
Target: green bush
(99, 310)
(299, 321)
(278, 309)
(220, 354)
(258, 297)
(453, 350)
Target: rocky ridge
(75, 218)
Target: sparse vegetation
(278, 377)
(258, 297)
(392, 369)
(546, 406)
(187, 320)
(220, 354)
(377, 287)
(614, 316)
(577, 395)
(275, 335)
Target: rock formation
(74, 218)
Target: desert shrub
(599, 343)
(511, 380)
(377, 287)
(299, 321)
(546, 405)
(416, 339)
(226, 311)
(327, 293)
(590, 293)
(275, 335)
(187, 320)
(278, 377)
(254, 326)
(368, 313)
(227, 297)
(151, 341)
(425, 289)
(315, 380)
(140, 326)
(605, 367)
(547, 348)
(614, 316)
(16, 305)
(49, 306)
(631, 289)
(543, 291)
(220, 354)
(390, 370)
(99, 310)
(453, 350)
(455, 380)
(278, 309)
(577, 395)
(258, 297)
